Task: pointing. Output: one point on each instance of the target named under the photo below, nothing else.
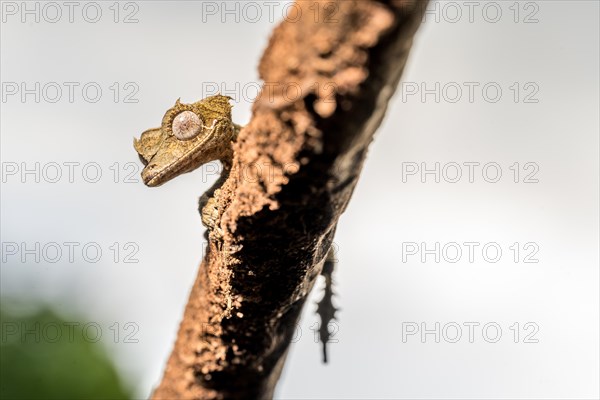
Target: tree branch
(327, 85)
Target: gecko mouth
(154, 176)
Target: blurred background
(468, 256)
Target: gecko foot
(209, 214)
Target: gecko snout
(151, 174)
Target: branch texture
(327, 85)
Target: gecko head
(190, 135)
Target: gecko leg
(325, 307)
(209, 212)
(207, 205)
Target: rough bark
(328, 79)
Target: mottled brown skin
(165, 156)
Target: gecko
(192, 135)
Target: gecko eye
(186, 125)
